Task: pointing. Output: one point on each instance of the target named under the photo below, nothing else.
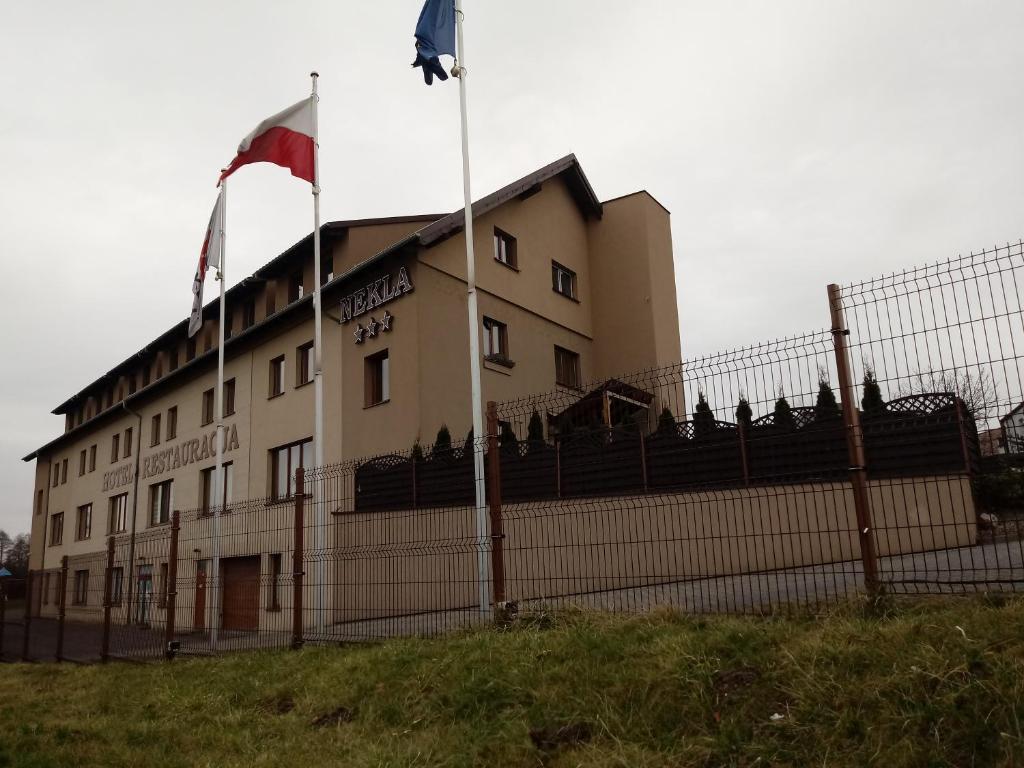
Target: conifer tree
(666, 423)
(872, 401)
(744, 414)
(443, 441)
(826, 407)
(784, 414)
(535, 430)
(703, 417)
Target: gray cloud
(796, 143)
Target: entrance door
(199, 619)
(241, 593)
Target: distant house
(1012, 425)
(991, 442)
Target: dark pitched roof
(438, 228)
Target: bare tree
(976, 388)
(5, 542)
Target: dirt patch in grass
(334, 718)
(552, 739)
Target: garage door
(242, 593)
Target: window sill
(304, 384)
(573, 299)
(206, 423)
(570, 387)
(276, 394)
(504, 366)
(507, 266)
(375, 405)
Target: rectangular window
(505, 248)
(63, 471)
(207, 344)
(190, 350)
(83, 523)
(567, 368)
(249, 314)
(131, 384)
(295, 287)
(283, 463)
(56, 474)
(160, 503)
(208, 491)
(128, 442)
(273, 598)
(115, 448)
(207, 415)
(229, 323)
(326, 269)
(92, 458)
(81, 462)
(172, 422)
(495, 339)
(56, 529)
(159, 372)
(118, 517)
(229, 397)
(563, 280)
(116, 585)
(377, 379)
(81, 593)
(145, 376)
(39, 501)
(154, 430)
(277, 376)
(304, 364)
(172, 359)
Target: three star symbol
(373, 328)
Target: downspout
(135, 506)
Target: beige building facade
(571, 290)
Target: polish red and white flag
(209, 256)
(285, 139)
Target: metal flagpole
(482, 522)
(218, 478)
(319, 586)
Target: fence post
(28, 616)
(854, 441)
(172, 587)
(3, 617)
(494, 499)
(108, 581)
(297, 557)
(741, 431)
(62, 607)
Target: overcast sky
(795, 143)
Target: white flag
(209, 256)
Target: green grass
(929, 684)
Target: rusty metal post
(172, 586)
(27, 628)
(62, 607)
(3, 617)
(108, 599)
(297, 558)
(744, 461)
(854, 441)
(494, 499)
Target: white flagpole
(319, 587)
(218, 479)
(482, 522)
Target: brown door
(199, 620)
(241, 593)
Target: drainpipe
(135, 507)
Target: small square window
(495, 339)
(567, 368)
(277, 376)
(505, 249)
(377, 379)
(229, 397)
(563, 280)
(304, 364)
(207, 415)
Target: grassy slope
(933, 684)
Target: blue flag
(435, 35)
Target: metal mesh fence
(881, 454)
